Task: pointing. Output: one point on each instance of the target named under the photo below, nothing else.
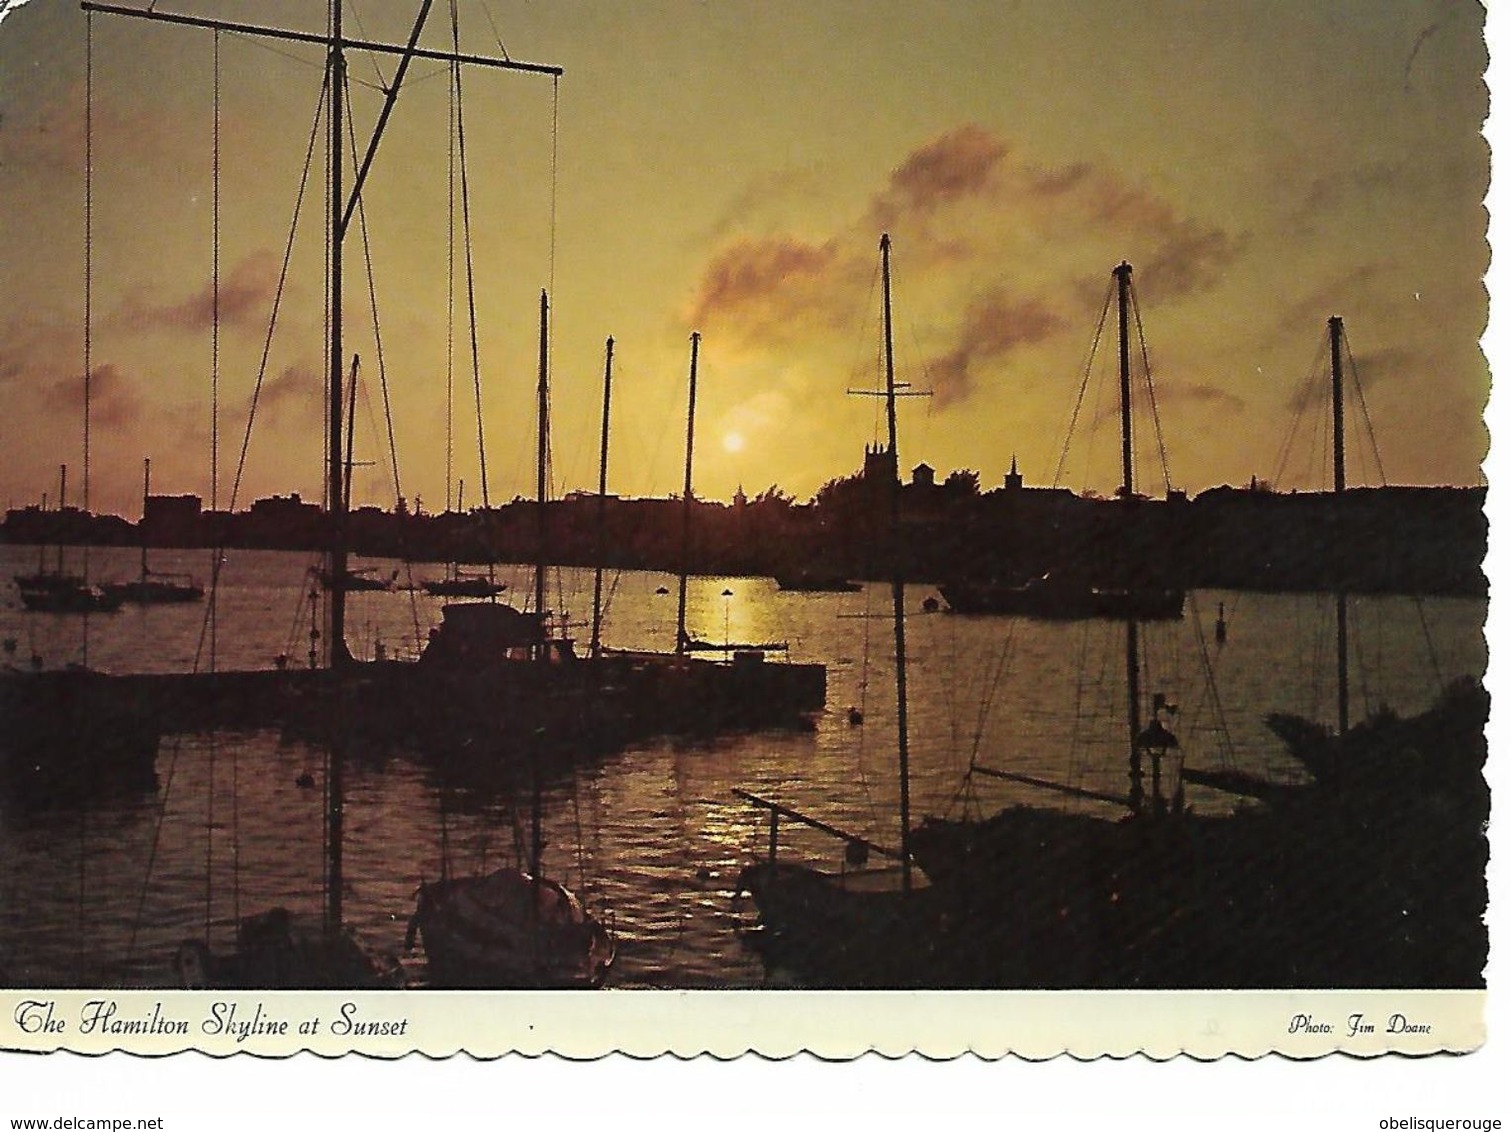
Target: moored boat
(509, 929)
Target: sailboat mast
(1124, 274)
(596, 645)
(687, 499)
(62, 506)
(335, 641)
(542, 451)
(336, 491)
(146, 490)
(898, 631)
(1335, 342)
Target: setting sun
(733, 442)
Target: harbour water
(100, 893)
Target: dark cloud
(1305, 316)
(1200, 393)
(761, 286)
(959, 165)
(50, 141)
(115, 401)
(983, 231)
(246, 295)
(299, 387)
(1376, 367)
(996, 324)
(1188, 259)
(1323, 195)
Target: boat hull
(1063, 602)
(509, 931)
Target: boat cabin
(474, 633)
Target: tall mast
(1124, 275)
(341, 211)
(687, 499)
(900, 636)
(542, 451)
(146, 490)
(336, 491)
(62, 505)
(596, 645)
(543, 653)
(1335, 342)
(335, 638)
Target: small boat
(463, 585)
(157, 589)
(509, 929)
(279, 950)
(804, 581)
(59, 592)
(151, 588)
(359, 580)
(1053, 597)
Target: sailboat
(1092, 591)
(58, 590)
(275, 949)
(862, 927)
(513, 928)
(152, 587)
(681, 690)
(1062, 895)
(456, 583)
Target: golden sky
(729, 168)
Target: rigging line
(451, 289)
(157, 833)
(998, 674)
(1143, 344)
(372, 298)
(477, 377)
(310, 63)
(1300, 396)
(1075, 414)
(283, 275)
(212, 608)
(371, 55)
(267, 346)
(1369, 425)
(555, 169)
(498, 39)
(88, 303)
(1209, 666)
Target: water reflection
(100, 886)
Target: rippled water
(651, 836)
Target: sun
(733, 442)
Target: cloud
(959, 165)
(299, 387)
(1327, 194)
(994, 249)
(246, 295)
(1200, 393)
(1305, 317)
(762, 287)
(115, 401)
(51, 140)
(1373, 368)
(996, 325)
